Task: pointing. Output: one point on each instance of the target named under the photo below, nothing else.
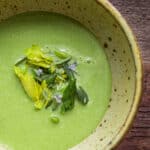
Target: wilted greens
(49, 78)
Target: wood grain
(137, 14)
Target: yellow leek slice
(32, 88)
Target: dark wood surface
(137, 13)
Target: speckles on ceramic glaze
(100, 125)
(54, 3)
(112, 54)
(101, 139)
(15, 7)
(115, 90)
(114, 50)
(109, 39)
(115, 26)
(66, 2)
(105, 121)
(84, 8)
(89, 22)
(124, 51)
(109, 105)
(115, 59)
(110, 143)
(105, 45)
(120, 60)
(66, 5)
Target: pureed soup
(21, 126)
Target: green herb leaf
(69, 96)
(82, 96)
(61, 54)
(49, 78)
(48, 104)
(61, 62)
(20, 60)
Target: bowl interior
(112, 37)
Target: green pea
(55, 119)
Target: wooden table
(137, 13)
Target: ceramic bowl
(113, 33)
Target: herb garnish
(49, 78)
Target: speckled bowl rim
(139, 70)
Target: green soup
(23, 128)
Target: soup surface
(23, 128)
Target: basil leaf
(68, 98)
(82, 96)
(51, 79)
